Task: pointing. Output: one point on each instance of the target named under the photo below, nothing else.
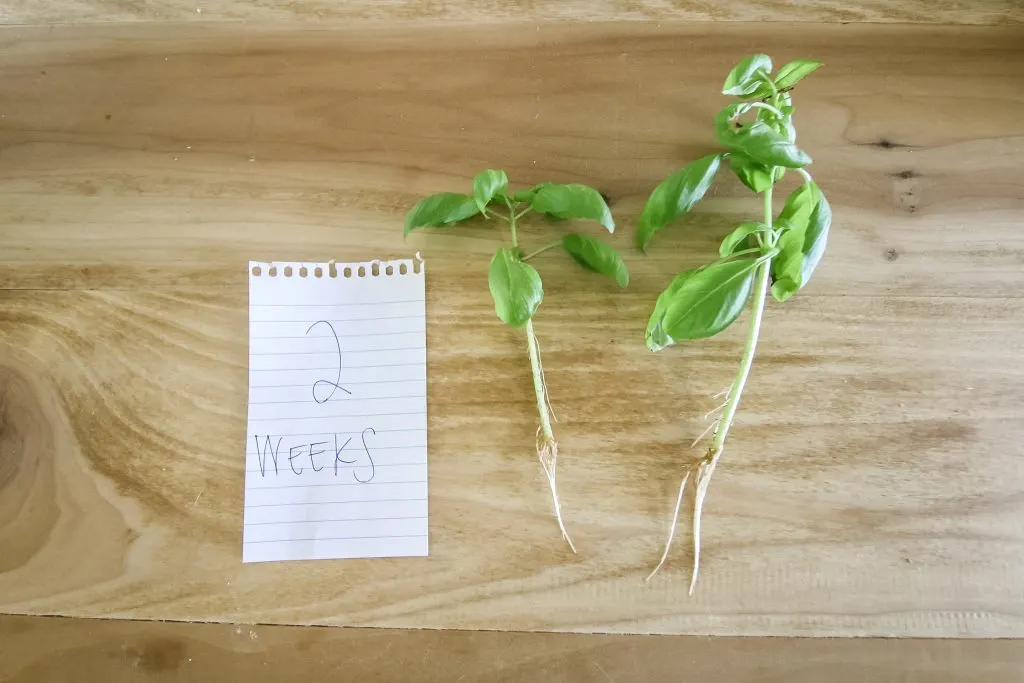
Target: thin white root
(705, 468)
(672, 529)
(715, 410)
(547, 452)
(704, 472)
(713, 425)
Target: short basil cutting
(515, 284)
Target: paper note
(336, 448)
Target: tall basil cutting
(515, 285)
(776, 253)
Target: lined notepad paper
(336, 449)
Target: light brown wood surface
(874, 483)
(54, 650)
(474, 12)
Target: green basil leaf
(724, 126)
(597, 256)
(787, 265)
(794, 72)
(783, 289)
(655, 336)
(708, 301)
(441, 209)
(572, 200)
(737, 239)
(797, 209)
(761, 143)
(803, 244)
(757, 177)
(783, 126)
(675, 196)
(487, 185)
(786, 103)
(515, 287)
(815, 237)
(743, 79)
(527, 195)
(787, 129)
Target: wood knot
(28, 509)
(886, 143)
(905, 189)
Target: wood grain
(53, 650)
(874, 483)
(474, 12)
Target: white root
(715, 410)
(704, 472)
(705, 467)
(672, 529)
(713, 425)
(547, 452)
(547, 447)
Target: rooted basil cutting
(515, 284)
(779, 253)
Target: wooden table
(873, 483)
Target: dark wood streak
(45, 650)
